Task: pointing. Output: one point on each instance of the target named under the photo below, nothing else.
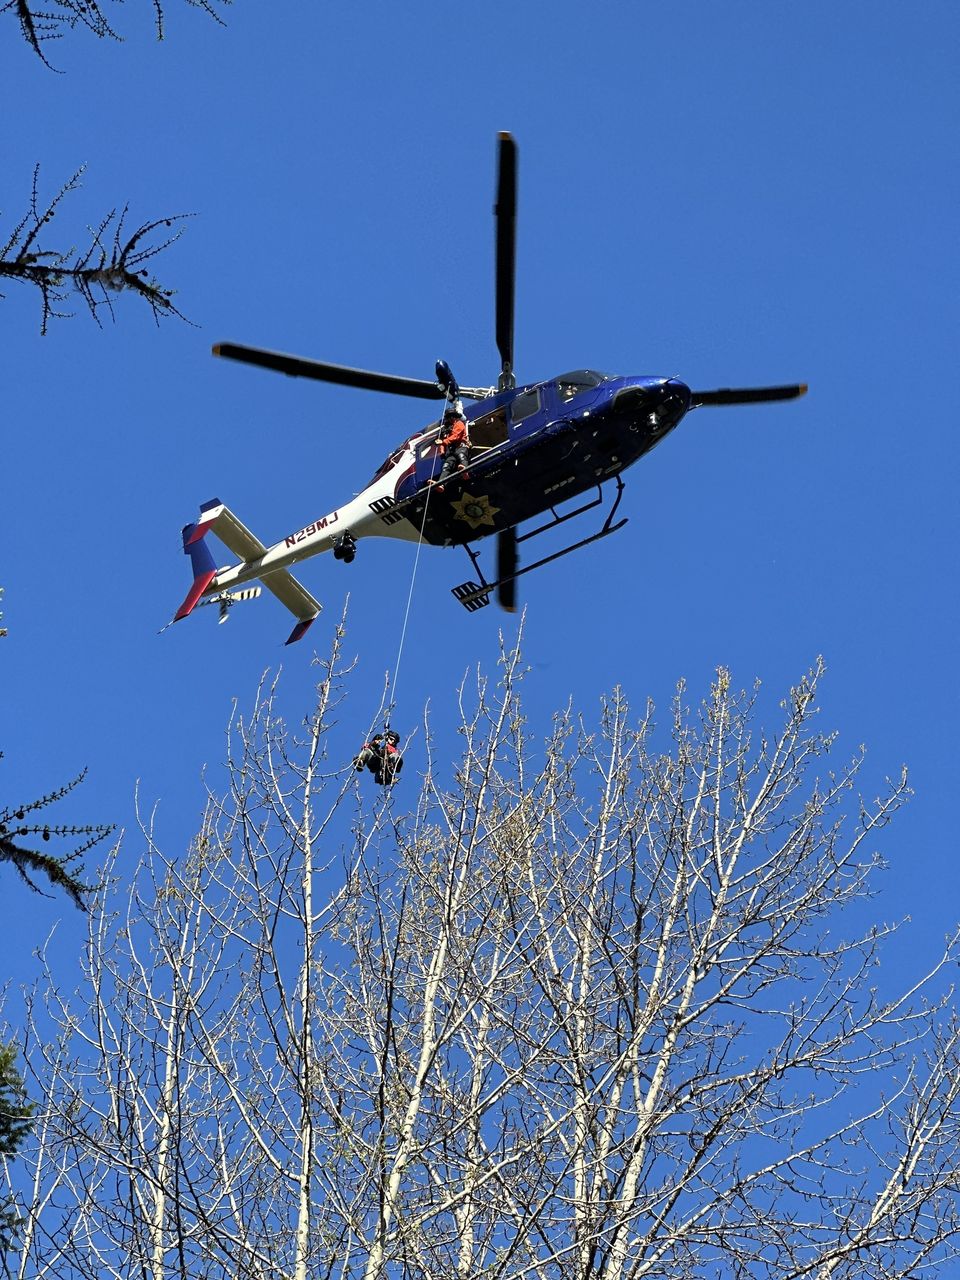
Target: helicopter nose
(653, 405)
(673, 401)
(675, 393)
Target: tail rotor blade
(505, 211)
(747, 395)
(506, 568)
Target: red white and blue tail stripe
(204, 568)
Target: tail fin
(204, 569)
(280, 582)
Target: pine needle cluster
(19, 830)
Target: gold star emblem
(474, 511)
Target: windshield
(571, 384)
(392, 459)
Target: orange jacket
(457, 434)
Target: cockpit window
(428, 440)
(571, 384)
(394, 458)
(527, 403)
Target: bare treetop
(596, 1009)
(111, 263)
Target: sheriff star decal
(473, 510)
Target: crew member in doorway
(453, 442)
(381, 755)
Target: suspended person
(381, 755)
(453, 443)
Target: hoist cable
(413, 580)
(391, 685)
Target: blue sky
(736, 194)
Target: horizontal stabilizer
(292, 594)
(231, 531)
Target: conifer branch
(112, 262)
(39, 25)
(63, 870)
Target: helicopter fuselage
(532, 448)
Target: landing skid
(476, 595)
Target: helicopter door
(489, 431)
(429, 461)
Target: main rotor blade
(747, 395)
(505, 211)
(300, 367)
(506, 568)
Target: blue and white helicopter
(532, 448)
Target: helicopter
(534, 448)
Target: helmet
(451, 413)
(392, 736)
